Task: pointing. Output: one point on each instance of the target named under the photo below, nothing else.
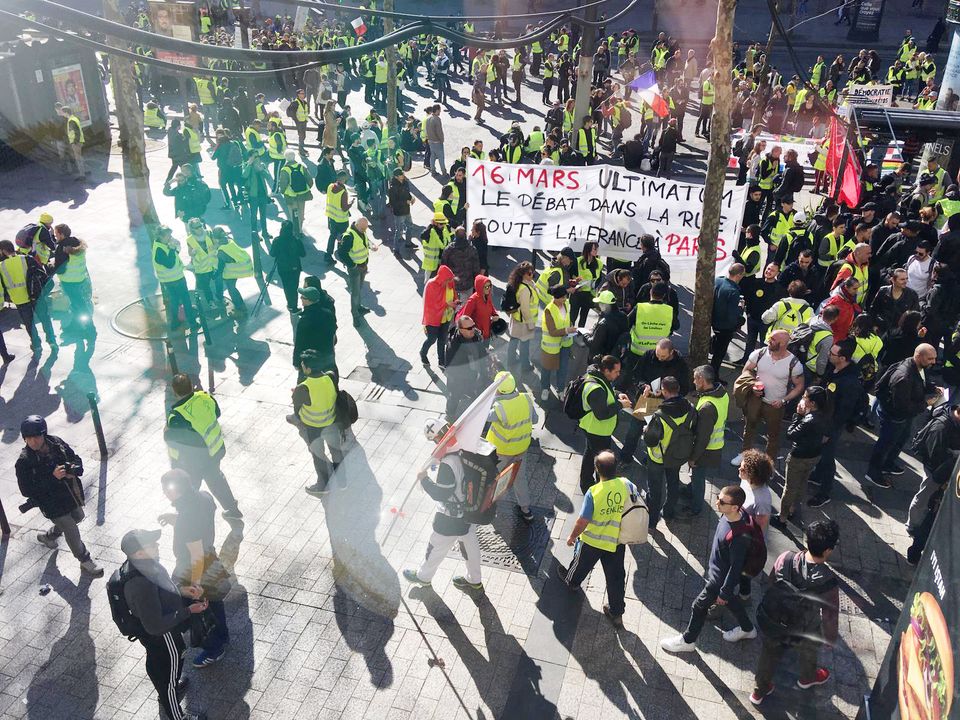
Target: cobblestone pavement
(322, 626)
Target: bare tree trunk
(391, 71)
(588, 46)
(130, 121)
(722, 46)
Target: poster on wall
(918, 680)
(176, 20)
(71, 92)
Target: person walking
(315, 413)
(439, 305)
(903, 392)
(354, 252)
(195, 441)
(162, 612)
(48, 475)
(601, 405)
(299, 112)
(727, 314)
(434, 240)
(466, 368)
(178, 148)
(596, 531)
(15, 273)
(168, 267)
(713, 407)
(233, 263)
(449, 525)
(294, 187)
(70, 263)
(203, 262)
(512, 416)
(669, 438)
(256, 180)
(316, 329)
(728, 552)
(197, 564)
(337, 211)
(807, 431)
(287, 251)
(400, 200)
(800, 610)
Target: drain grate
(510, 544)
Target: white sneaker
(677, 644)
(737, 460)
(544, 395)
(738, 633)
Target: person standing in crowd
(555, 343)
(287, 251)
(299, 112)
(48, 476)
(727, 314)
(294, 187)
(669, 437)
(195, 441)
(256, 181)
(173, 285)
(727, 556)
(777, 379)
(800, 610)
(601, 405)
(354, 252)
(610, 329)
(903, 392)
(713, 407)
(316, 329)
(439, 305)
(466, 366)
(433, 133)
(808, 433)
(337, 211)
(596, 531)
(759, 295)
(589, 270)
(16, 270)
(400, 199)
(462, 259)
(315, 414)
(524, 315)
(197, 563)
(512, 416)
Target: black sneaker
(879, 480)
(895, 469)
(526, 515)
(234, 514)
(818, 501)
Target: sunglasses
(468, 327)
(721, 501)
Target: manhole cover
(510, 544)
(144, 319)
(150, 145)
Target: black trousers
(698, 613)
(585, 557)
(718, 347)
(595, 444)
(290, 281)
(580, 304)
(164, 665)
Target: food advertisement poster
(917, 680)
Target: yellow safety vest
(380, 76)
(435, 244)
(589, 422)
(253, 141)
(609, 499)
(205, 23)
(791, 312)
(837, 244)
(261, 111)
(193, 139)
(513, 154)
(862, 275)
(561, 319)
(766, 172)
(203, 90)
(200, 411)
(583, 147)
(13, 276)
(818, 336)
(152, 119)
(448, 295)
(536, 48)
(239, 264)
(454, 197)
(40, 248)
(533, 302)
(165, 274)
(547, 70)
(359, 250)
(321, 411)
(586, 274)
(751, 259)
(535, 141)
(783, 225)
(949, 207)
(334, 208)
(722, 404)
(652, 323)
(202, 256)
(303, 110)
(655, 452)
(707, 93)
(76, 270)
(289, 191)
(871, 345)
(278, 145)
(510, 432)
(74, 130)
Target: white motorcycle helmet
(435, 428)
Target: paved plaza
(322, 623)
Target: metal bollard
(97, 425)
(171, 358)
(210, 386)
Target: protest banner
(547, 207)
(881, 95)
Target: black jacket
(467, 369)
(646, 264)
(941, 443)
(598, 400)
(807, 432)
(608, 330)
(316, 329)
(652, 368)
(887, 311)
(673, 300)
(792, 181)
(760, 295)
(287, 251)
(813, 279)
(37, 483)
(904, 394)
(848, 397)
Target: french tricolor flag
(648, 90)
(359, 26)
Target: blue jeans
(890, 441)
(402, 230)
(215, 641)
(559, 375)
(175, 296)
(518, 354)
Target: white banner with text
(546, 207)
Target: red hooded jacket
(481, 311)
(848, 311)
(435, 296)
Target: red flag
(835, 150)
(850, 185)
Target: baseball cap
(310, 293)
(568, 252)
(800, 217)
(136, 540)
(869, 206)
(605, 298)
(927, 179)
(46, 218)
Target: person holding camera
(48, 474)
(157, 605)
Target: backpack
(298, 179)
(868, 367)
(37, 276)
(800, 340)
(25, 235)
(787, 609)
(626, 119)
(508, 303)
(234, 154)
(128, 623)
(573, 398)
(292, 110)
(479, 486)
(682, 438)
(757, 551)
(345, 406)
(918, 446)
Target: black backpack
(787, 609)
(298, 179)
(345, 406)
(800, 340)
(128, 623)
(235, 154)
(479, 481)
(573, 398)
(508, 303)
(682, 438)
(757, 551)
(918, 446)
